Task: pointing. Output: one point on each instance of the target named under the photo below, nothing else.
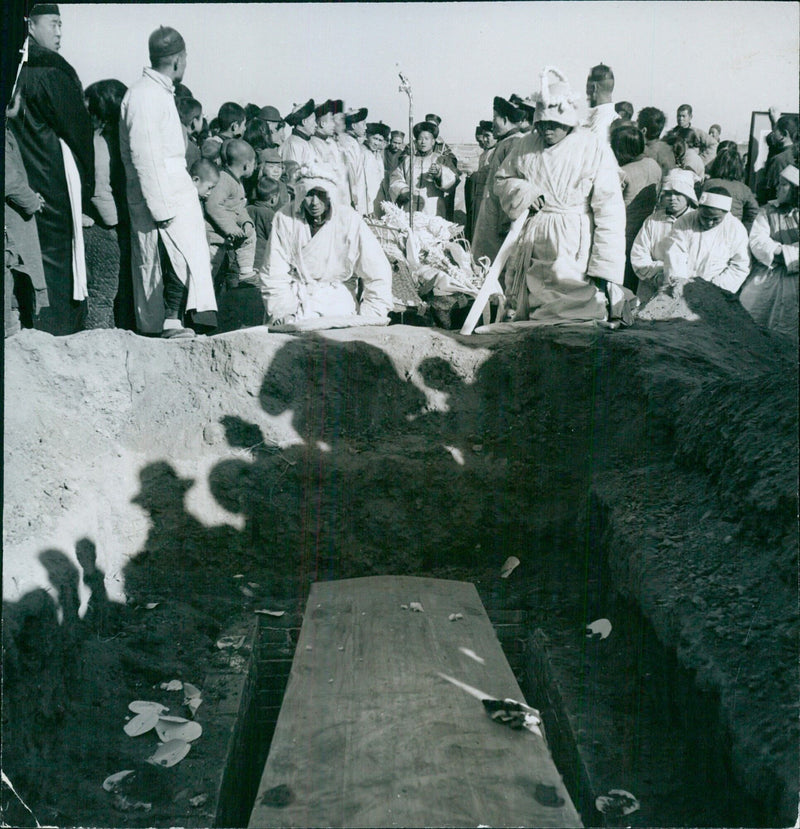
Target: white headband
(716, 200)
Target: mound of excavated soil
(139, 471)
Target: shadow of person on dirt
(179, 549)
(307, 503)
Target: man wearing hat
(491, 224)
(270, 116)
(356, 123)
(297, 146)
(327, 147)
(171, 263)
(431, 179)
(353, 148)
(709, 244)
(323, 261)
(528, 110)
(647, 252)
(374, 169)
(568, 263)
(54, 133)
(440, 147)
(770, 293)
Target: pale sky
(725, 58)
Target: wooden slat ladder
(370, 733)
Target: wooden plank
(370, 734)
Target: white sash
(79, 291)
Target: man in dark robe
(53, 111)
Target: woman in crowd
(106, 222)
(639, 178)
(687, 158)
(770, 293)
(727, 170)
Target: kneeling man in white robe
(325, 268)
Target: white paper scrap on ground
(186, 730)
(600, 627)
(617, 803)
(139, 706)
(172, 685)
(111, 782)
(472, 655)
(141, 723)
(169, 754)
(271, 612)
(234, 642)
(190, 691)
(509, 565)
(453, 617)
(417, 607)
(456, 453)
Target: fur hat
(505, 109)
(353, 116)
(426, 126)
(378, 128)
(555, 100)
(299, 113)
(330, 106)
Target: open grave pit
(157, 494)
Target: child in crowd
(205, 175)
(190, 112)
(262, 210)
(270, 166)
(226, 211)
(229, 123)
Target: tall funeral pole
(405, 86)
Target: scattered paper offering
(172, 685)
(111, 783)
(509, 565)
(416, 607)
(234, 642)
(600, 627)
(141, 723)
(170, 753)
(455, 616)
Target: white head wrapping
(555, 100)
(718, 200)
(313, 177)
(680, 181)
(790, 173)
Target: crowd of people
(126, 207)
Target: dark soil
(647, 475)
